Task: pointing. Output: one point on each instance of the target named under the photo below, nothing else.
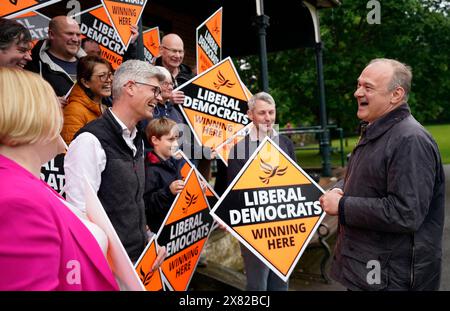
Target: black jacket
(159, 174)
(392, 210)
(42, 64)
(121, 190)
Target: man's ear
(50, 34)
(129, 89)
(250, 114)
(398, 95)
(154, 140)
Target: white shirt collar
(125, 131)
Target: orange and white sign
(209, 42)
(96, 25)
(215, 104)
(151, 44)
(150, 278)
(123, 14)
(12, 8)
(272, 207)
(184, 233)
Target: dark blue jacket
(158, 198)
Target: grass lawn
(441, 134)
(312, 159)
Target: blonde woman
(43, 244)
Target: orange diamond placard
(151, 44)
(151, 279)
(215, 104)
(184, 232)
(95, 24)
(123, 14)
(209, 42)
(272, 207)
(12, 8)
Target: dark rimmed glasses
(104, 76)
(156, 89)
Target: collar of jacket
(154, 159)
(382, 125)
(184, 69)
(78, 95)
(47, 60)
(115, 125)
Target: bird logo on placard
(222, 82)
(216, 29)
(146, 277)
(270, 171)
(152, 42)
(189, 199)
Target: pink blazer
(43, 245)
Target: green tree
(416, 32)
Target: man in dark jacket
(391, 206)
(172, 55)
(262, 112)
(56, 58)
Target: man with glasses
(166, 107)
(109, 152)
(172, 55)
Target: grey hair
(134, 70)
(260, 96)
(165, 72)
(402, 75)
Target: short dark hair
(84, 40)
(85, 69)
(11, 30)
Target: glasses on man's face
(173, 51)
(156, 89)
(104, 76)
(167, 84)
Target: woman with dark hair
(15, 44)
(85, 102)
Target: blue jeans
(259, 276)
